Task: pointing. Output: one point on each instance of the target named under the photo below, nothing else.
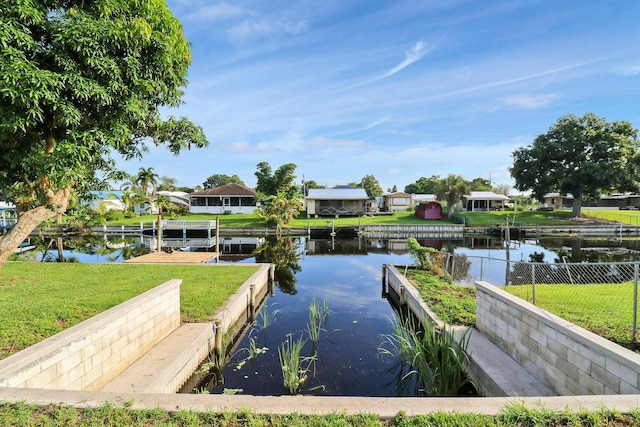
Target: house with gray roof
(224, 199)
(336, 202)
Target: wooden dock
(176, 257)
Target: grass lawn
(631, 217)
(604, 309)
(474, 219)
(522, 218)
(38, 300)
(515, 414)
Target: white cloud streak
(416, 53)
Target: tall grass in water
(267, 316)
(433, 355)
(295, 367)
(317, 318)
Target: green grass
(38, 300)
(454, 304)
(474, 219)
(521, 218)
(21, 414)
(604, 309)
(616, 215)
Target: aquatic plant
(433, 355)
(317, 318)
(295, 367)
(267, 316)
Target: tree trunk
(576, 206)
(29, 220)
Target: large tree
(218, 179)
(584, 156)
(424, 185)
(81, 82)
(371, 186)
(280, 181)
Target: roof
(397, 194)
(337, 194)
(226, 190)
(424, 196)
(485, 195)
(567, 196)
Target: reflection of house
(399, 201)
(557, 201)
(429, 210)
(336, 201)
(485, 201)
(228, 198)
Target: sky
(397, 89)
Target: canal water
(345, 276)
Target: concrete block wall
(235, 308)
(88, 355)
(569, 359)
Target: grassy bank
(604, 309)
(21, 414)
(473, 219)
(454, 304)
(38, 300)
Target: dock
(176, 257)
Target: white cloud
(631, 70)
(378, 122)
(529, 102)
(416, 53)
(216, 11)
(245, 147)
(261, 28)
(334, 143)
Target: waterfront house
(485, 201)
(224, 199)
(335, 202)
(398, 201)
(557, 201)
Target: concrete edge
(384, 407)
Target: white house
(485, 201)
(224, 199)
(398, 201)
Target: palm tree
(164, 205)
(280, 210)
(145, 178)
(452, 189)
(167, 183)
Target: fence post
(634, 328)
(533, 284)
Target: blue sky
(398, 89)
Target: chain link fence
(600, 297)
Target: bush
(422, 256)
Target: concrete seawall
(88, 355)
(385, 407)
(570, 359)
